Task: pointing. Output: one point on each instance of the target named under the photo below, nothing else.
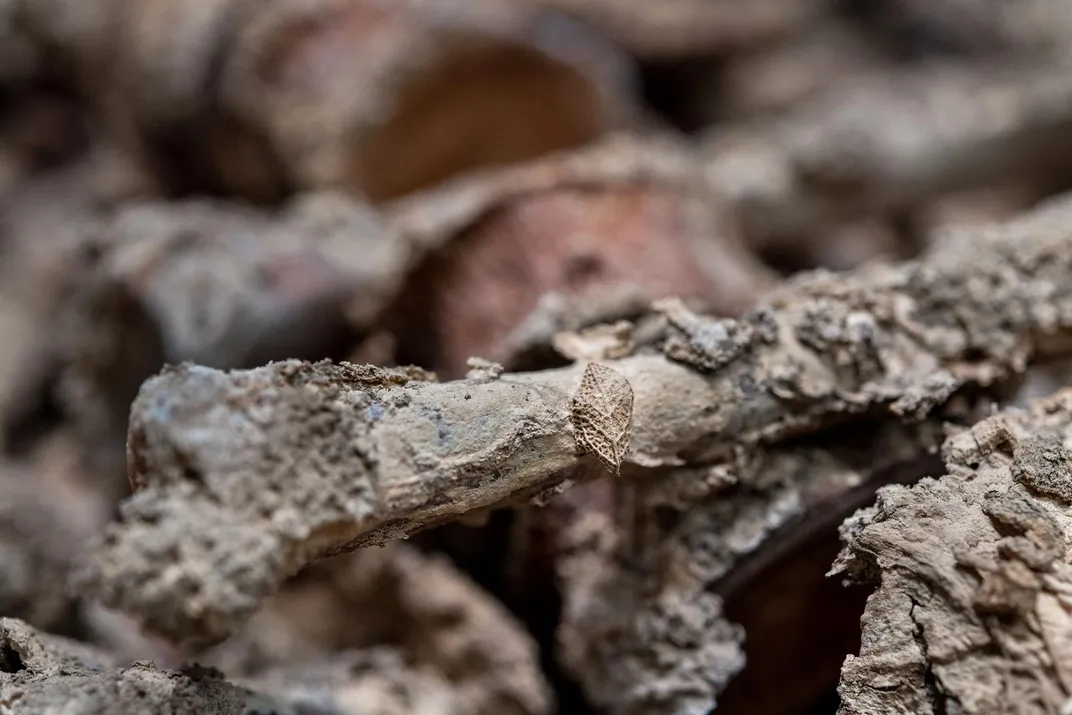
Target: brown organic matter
(971, 609)
(263, 99)
(562, 243)
(888, 139)
(380, 453)
(457, 357)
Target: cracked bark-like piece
(244, 477)
(504, 85)
(644, 574)
(372, 96)
(435, 619)
(886, 140)
(581, 237)
(971, 611)
(221, 285)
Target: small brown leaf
(602, 415)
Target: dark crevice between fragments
(788, 607)
(684, 92)
(488, 554)
(10, 660)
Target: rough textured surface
(438, 646)
(293, 461)
(163, 176)
(429, 616)
(971, 612)
(644, 573)
(563, 242)
(218, 284)
(49, 675)
(883, 141)
(46, 675)
(602, 415)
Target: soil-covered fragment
(886, 140)
(219, 284)
(244, 477)
(574, 239)
(644, 574)
(428, 615)
(46, 675)
(379, 98)
(971, 611)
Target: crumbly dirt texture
(971, 612)
(523, 357)
(439, 646)
(645, 572)
(244, 477)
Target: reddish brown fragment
(621, 224)
(378, 97)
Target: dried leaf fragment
(602, 414)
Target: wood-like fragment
(261, 99)
(974, 584)
(506, 258)
(259, 472)
(647, 574)
(888, 139)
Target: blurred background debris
(421, 182)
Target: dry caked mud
(628, 445)
(437, 646)
(971, 613)
(243, 477)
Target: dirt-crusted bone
(244, 477)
